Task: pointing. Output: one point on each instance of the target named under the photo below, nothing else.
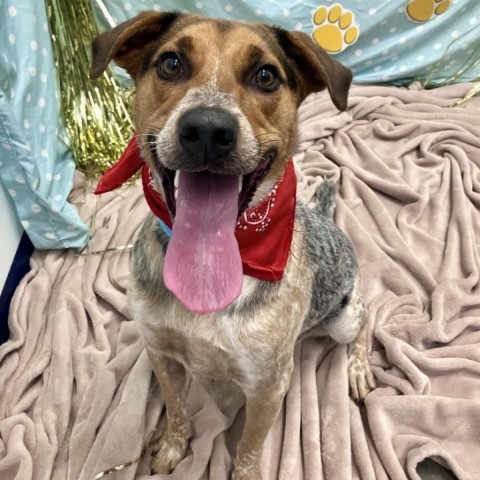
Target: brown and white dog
(215, 109)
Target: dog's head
(215, 108)
(217, 96)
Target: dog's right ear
(125, 44)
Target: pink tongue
(202, 265)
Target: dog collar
(264, 232)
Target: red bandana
(264, 233)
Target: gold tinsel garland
(95, 114)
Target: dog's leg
(360, 376)
(351, 327)
(174, 442)
(261, 411)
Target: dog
(215, 115)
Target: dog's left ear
(314, 67)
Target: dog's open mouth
(202, 266)
(247, 184)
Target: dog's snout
(207, 133)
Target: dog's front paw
(169, 455)
(360, 375)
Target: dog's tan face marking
(219, 63)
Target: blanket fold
(77, 393)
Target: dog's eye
(266, 78)
(169, 65)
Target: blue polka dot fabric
(35, 165)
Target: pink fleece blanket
(77, 395)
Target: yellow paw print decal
(424, 10)
(335, 28)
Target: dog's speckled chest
(235, 344)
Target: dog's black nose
(207, 133)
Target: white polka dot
(403, 68)
(36, 208)
(6, 146)
(44, 52)
(45, 27)
(455, 34)
(28, 97)
(377, 68)
(12, 11)
(386, 51)
(385, 78)
(402, 40)
(392, 30)
(400, 10)
(299, 26)
(26, 124)
(41, 102)
(54, 208)
(48, 176)
(50, 235)
(32, 71)
(41, 127)
(25, 224)
(228, 8)
(437, 46)
(58, 198)
(384, 22)
(12, 192)
(286, 12)
(28, 147)
(419, 28)
(1, 164)
(12, 92)
(473, 21)
(358, 53)
(20, 179)
(43, 77)
(127, 6)
(44, 153)
(33, 45)
(368, 62)
(420, 58)
(11, 38)
(372, 11)
(199, 5)
(374, 41)
(258, 12)
(157, 8)
(57, 176)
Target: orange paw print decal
(424, 10)
(334, 28)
